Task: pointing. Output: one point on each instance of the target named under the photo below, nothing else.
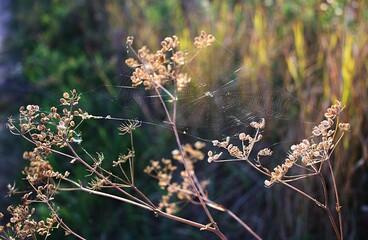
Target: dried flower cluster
(22, 225)
(164, 172)
(247, 144)
(315, 150)
(47, 131)
(53, 128)
(39, 170)
(154, 70)
(41, 177)
(204, 40)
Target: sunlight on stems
(55, 132)
(309, 155)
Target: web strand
(205, 113)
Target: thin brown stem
(325, 194)
(333, 223)
(323, 183)
(142, 195)
(106, 179)
(64, 226)
(175, 101)
(108, 172)
(114, 176)
(319, 204)
(338, 206)
(59, 220)
(234, 216)
(156, 211)
(177, 139)
(173, 125)
(131, 160)
(190, 177)
(304, 194)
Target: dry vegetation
(55, 132)
(317, 50)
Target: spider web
(230, 108)
(213, 112)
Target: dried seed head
(344, 127)
(182, 81)
(242, 136)
(265, 152)
(199, 145)
(334, 110)
(214, 157)
(130, 62)
(129, 40)
(204, 40)
(129, 126)
(169, 43)
(179, 58)
(268, 183)
(258, 125)
(216, 143)
(210, 154)
(316, 132)
(175, 153)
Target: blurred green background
(318, 50)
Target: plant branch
(234, 216)
(338, 206)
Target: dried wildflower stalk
(55, 133)
(179, 191)
(155, 71)
(310, 155)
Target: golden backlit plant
(309, 156)
(55, 132)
